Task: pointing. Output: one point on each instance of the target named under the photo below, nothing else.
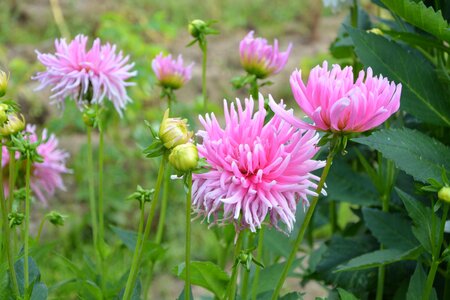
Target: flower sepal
(56, 218)
(15, 219)
(26, 148)
(142, 195)
(246, 259)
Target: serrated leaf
(205, 274)
(391, 230)
(422, 93)
(379, 258)
(417, 285)
(419, 15)
(415, 153)
(422, 218)
(345, 185)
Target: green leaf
(205, 274)
(40, 292)
(417, 14)
(269, 276)
(417, 285)
(379, 258)
(422, 218)
(392, 230)
(34, 274)
(415, 153)
(345, 185)
(152, 251)
(422, 93)
(344, 295)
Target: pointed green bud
(4, 78)
(56, 218)
(184, 157)
(174, 131)
(444, 194)
(196, 28)
(12, 125)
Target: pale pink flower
(46, 176)
(261, 59)
(336, 103)
(171, 73)
(87, 76)
(256, 170)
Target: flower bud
(174, 131)
(444, 194)
(15, 219)
(196, 28)
(184, 157)
(4, 78)
(3, 116)
(56, 218)
(89, 117)
(13, 125)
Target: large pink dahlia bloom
(171, 73)
(256, 170)
(46, 177)
(261, 59)
(86, 75)
(336, 103)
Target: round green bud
(444, 194)
(184, 157)
(3, 115)
(4, 78)
(12, 125)
(196, 28)
(174, 131)
(56, 218)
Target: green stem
(259, 254)
(27, 225)
(101, 222)
(254, 89)
(6, 234)
(447, 283)
(245, 277)
(12, 177)
(92, 202)
(435, 262)
(204, 59)
(333, 216)
(381, 269)
(232, 285)
(134, 265)
(41, 226)
(133, 276)
(354, 14)
(101, 212)
(304, 226)
(162, 214)
(188, 238)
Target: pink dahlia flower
(256, 170)
(259, 58)
(86, 75)
(46, 177)
(170, 72)
(336, 103)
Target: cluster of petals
(261, 59)
(171, 73)
(336, 103)
(256, 169)
(86, 75)
(47, 176)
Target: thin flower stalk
(27, 224)
(187, 284)
(6, 236)
(259, 254)
(137, 257)
(304, 226)
(234, 274)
